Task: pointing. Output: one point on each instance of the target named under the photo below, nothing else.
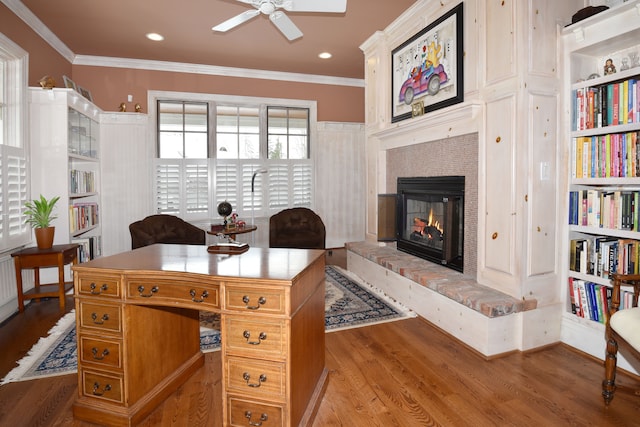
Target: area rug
(349, 303)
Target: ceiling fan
(279, 18)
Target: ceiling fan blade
(331, 6)
(285, 25)
(236, 20)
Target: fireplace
(430, 219)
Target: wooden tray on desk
(228, 249)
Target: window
(182, 176)
(13, 164)
(258, 158)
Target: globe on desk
(224, 210)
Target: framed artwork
(84, 92)
(69, 84)
(427, 69)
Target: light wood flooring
(404, 373)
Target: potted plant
(39, 214)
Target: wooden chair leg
(609, 383)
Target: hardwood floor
(404, 373)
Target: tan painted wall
(43, 59)
(110, 86)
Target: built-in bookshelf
(65, 144)
(602, 146)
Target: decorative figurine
(123, 107)
(47, 82)
(609, 68)
(625, 64)
(138, 108)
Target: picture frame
(427, 69)
(69, 84)
(86, 93)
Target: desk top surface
(256, 263)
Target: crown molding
(38, 26)
(214, 70)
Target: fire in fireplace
(430, 219)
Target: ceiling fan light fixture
(324, 55)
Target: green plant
(40, 212)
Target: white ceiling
(117, 28)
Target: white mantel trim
(459, 119)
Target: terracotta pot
(44, 237)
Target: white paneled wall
(340, 181)
(126, 162)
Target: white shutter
(13, 182)
(278, 186)
(168, 186)
(302, 176)
(226, 188)
(196, 184)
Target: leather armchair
(296, 228)
(165, 229)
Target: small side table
(232, 232)
(57, 256)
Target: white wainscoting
(126, 170)
(340, 181)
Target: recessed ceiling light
(324, 55)
(155, 37)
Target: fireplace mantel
(456, 120)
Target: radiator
(8, 292)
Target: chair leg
(609, 382)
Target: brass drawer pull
(261, 337)
(94, 317)
(103, 288)
(204, 295)
(247, 377)
(154, 290)
(96, 388)
(94, 351)
(263, 418)
(261, 301)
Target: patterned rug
(349, 303)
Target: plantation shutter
(13, 182)
(302, 184)
(167, 187)
(278, 187)
(196, 182)
(226, 188)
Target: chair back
(298, 228)
(163, 228)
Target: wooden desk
(57, 256)
(138, 332)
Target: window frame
(15, 187)
(241, 203)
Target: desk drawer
(256, 378)
(244, 413)
(100, 352)
(184, 293)
(102, 386)
(257, 338)
(267, 301)
(101, 317)
(104, 286)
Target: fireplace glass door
(430, 218)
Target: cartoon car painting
(423, 79)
